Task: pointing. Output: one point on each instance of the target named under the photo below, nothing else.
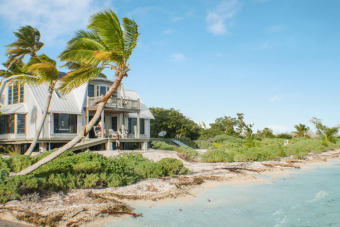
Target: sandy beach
(96, 207)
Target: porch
(114, 118)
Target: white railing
(115, 102)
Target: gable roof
(144, 110)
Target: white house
(22, 108)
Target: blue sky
(276, 61)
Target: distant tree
(265, 133)
(323, 131)
(301, 130)
(284, 136)
(174, 123)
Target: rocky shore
(82, 206)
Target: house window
(133, 122)
(7, 124)
(15, 94)
(101, 90)
(21, 124)
(65, 123)
(91, 90)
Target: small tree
(301, 130)
(323, 131)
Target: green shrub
(217, 155)
(186, 153)
(203, 144)
(170, 166)
(159, 145)
(188, 142)
(8, 186)
(231, 139)
(284, 136)
(19, 162)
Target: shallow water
(308, 197)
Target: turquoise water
(309, 197)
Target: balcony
(115, 103)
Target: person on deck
(117, 142)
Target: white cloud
(216, 20)
(168, 31)
(54, 19)
(275, 98)
(175, 19)
(275, 28)
(177, 57)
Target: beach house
(22, 107)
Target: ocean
(307, 197)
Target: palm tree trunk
(47, 106)
(80, 135)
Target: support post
(42, 147)
(145, 146)
(138, 124)
(103, 123)
(109, 145)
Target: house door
(91, 133)
(114, 124)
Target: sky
(276, 61)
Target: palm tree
(45, 71)
(301, 130)
(104, 45)
(39, 69)
(27, 43)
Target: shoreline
(88, 207)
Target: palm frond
(107, 26)
(130, 36)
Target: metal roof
(59, 104)
(145, 112)
(15, 108)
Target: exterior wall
(31, 117)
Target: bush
(217, 155)
(19, 162)
(188, 142)
(284, 136)
(223, 138)
(160, 145)
(203, 144)
(8, 185)
(170, 166)
(186, 153)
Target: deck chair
(97, 132)
(112, 133)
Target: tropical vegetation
(84, 170)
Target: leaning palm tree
(44, 70)
(27, 43)
(105, 45)
(301, 130)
